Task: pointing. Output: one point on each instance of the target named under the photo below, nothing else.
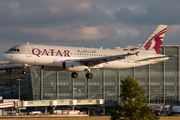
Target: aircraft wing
(98, 60)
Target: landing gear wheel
(24, 72)
(89, 75)
(74, 75)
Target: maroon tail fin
(155, 40)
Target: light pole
(19, 95)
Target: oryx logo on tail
(155, 40)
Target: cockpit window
(13, 49)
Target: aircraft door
(28, 51)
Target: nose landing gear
(24, 71)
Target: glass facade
(161, 82)
(9, 84)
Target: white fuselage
(55, 55)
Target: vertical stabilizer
(155, 40)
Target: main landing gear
(74, 75)
(88, 75)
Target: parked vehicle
(175, 110)
(161, 109)
(35, 113)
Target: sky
(86, 23)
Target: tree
(133, 103)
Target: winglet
(155, 40)
(133, 53)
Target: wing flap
(98, 60)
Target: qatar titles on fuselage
(77, 59)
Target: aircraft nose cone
(4, 56)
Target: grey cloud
(157, 12)
(88, 23)
(51, 13)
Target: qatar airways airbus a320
(77, 59)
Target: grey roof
(8, 65)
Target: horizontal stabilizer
(155, 58)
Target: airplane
(78, 59)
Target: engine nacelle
(74, 66)
(58, 62)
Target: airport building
(161, 81)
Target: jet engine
(58, 62)
(73, 66)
